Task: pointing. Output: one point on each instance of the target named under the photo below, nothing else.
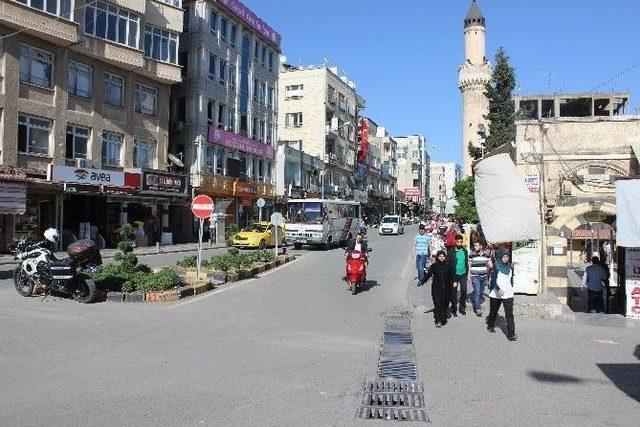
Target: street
(293, 347)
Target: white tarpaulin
(628, 213)
(506, 208)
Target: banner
(85, 176)
(526, 261)
(632, 282)
(628, 213)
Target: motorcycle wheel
(86, 291)
(23, 284)
(354, 288)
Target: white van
(391, 224)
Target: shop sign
(412, 192)
(632, 282)
(117, 190)
(250, 18)
(163, 182)
(89, 176)
(526, 255)
(245, 188)
(81, 188)
(239, 142)
(532, 181)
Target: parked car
(258, 235)
(391, 224)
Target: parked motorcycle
(356, 270)
(40, 268)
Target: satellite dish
(175, 160)
(283, 59)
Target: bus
(321, 222)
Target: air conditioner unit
(84, 163)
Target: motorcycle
(71, 276)
(356, 269)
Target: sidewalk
(148, 250)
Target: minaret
(472, 76)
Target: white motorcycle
(39, 267)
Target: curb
(213, 281)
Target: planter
(134, 297)
(186, 291)
(115, 296)
(233, 277)
(202, 288)
(217, 278)
(172, 295)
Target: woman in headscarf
(501, 292)
(443, 278)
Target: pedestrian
(594, 278)
(421, 243)
(479, 265)
(501, 287)
(461, 268)
(441, 287)
(437, 244)
(606, 249)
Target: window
(294, 91)
(263, 91)
(61, 8)
(213, 21)
(176, 3)
(223, 28)
(293, 120)
(113, 89)
(79, 81)
(261, 130)
(270, 60)
(77, 141)
(183, 61)
(146, 99)
(254, 128)
(270, 133)
(596, 170)
(35, 66)
(222, 74)
(220, 116)
(256, 95)
(220, 157)
(161, 45)
(263, 56)
(34, 134)
(144, 153)
(232, 77)
(210, 112)
(212, 66)
(270, 93)
(256, 51)
(111, 148)
(185, 19)
(112, 23)
(231, 119)
(233, 35)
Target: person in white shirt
(501, 293)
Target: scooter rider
(357, 244)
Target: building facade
(413, 166)
(379, 170)
(472, 77)
(570, 148)
(223, 118)
(444, 177)
(319, 108)
(298, 174)
(84, 100)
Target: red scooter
(356, 270)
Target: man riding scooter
(357, 252)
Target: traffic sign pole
(276, 220)
(199, 249)
(202, 207)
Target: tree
(465, 210)
(502, 109)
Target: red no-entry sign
(202, 206)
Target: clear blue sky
(404, 54)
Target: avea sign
(70, 174)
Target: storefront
(13, 203)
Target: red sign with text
(202, 206)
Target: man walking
(594, 278)
(421, 251)
(480, 264)
(461, 266)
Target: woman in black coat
(443, 279)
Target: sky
(404, 55)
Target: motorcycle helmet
(52, 235)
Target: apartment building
(380, 168)
(413, 168)
(84, 101)
(319, 108)
(224, 112)
(443, 179)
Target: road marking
(606, 342)
(238, 284)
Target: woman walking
(443, 278)
(501, 292)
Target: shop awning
(13, 198)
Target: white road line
(238, 284)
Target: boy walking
(421, 244)
(480, 264)
(461, 266)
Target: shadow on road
(369, 284)
(625, 376)
(552, 377)
(6, 274)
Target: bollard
(157, 247)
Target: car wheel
(297, 246)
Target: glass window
(262, 95)
(35, 66)
(144, 153)
(146, 99)
(220, 157)
(254, 128)
(263, 55)
(261, 127)
(223, 28)
(309, 212)
(34, 134)
(256, 51)
(231, 119)
(213, 21)
(233, 35)
(79, 81)
(176, 3)
(294, 91)
(210, 112)
(209, 158)
(293, 120)
(256, 90)
(270, 60)
(113, 90)
(232, 77)
(61, 8)
(222, 72)
(77, 141)
(112, 23)
(161, 45)
(212, 66)
(270, 93)
(111, 148)
(185, 19)
(269, 133)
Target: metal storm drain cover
(395, 395)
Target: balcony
(38, 23)
(163, 15)
(113, 53)
(166, 73)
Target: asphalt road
(292, 348)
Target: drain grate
(395, 395)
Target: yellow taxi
(258, 235)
